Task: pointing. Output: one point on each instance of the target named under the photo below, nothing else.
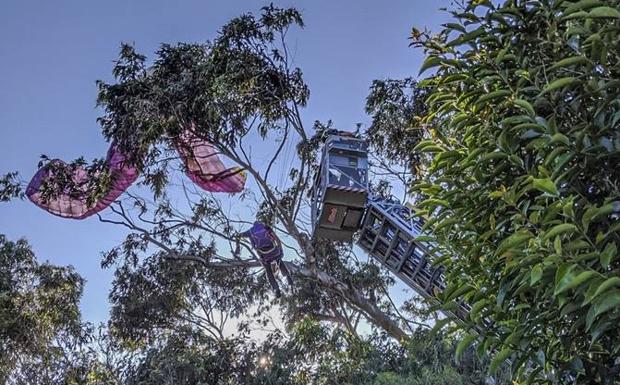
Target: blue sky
(53, 51)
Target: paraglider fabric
(72, 204)
(204, 167)
(265, 241)
(201, 160)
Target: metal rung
(386, 227)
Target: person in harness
(269, 248)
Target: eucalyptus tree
(175, 269)
(43, 339)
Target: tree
(520, 183)
(40, 327)
(310, 352)
(174, 270)
(9, 187)
(430, 360)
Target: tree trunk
(352, 295)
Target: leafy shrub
(523, 138)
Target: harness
(266, 244)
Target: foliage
(430, 360)
(9, 187)
(174, 270)
(189, 358)
(45, 341)
(309, 353)
(40, 328)
(521, 127)
(395, 107)
(222, 87)
(523, 143)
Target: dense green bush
(523, 141)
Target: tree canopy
(46, 342)
(40, 321)
(520, 180)
(177, 282)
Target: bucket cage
(340, 188)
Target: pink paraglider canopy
(200, 158)
(204, 167)
(73, 204)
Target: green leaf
(425, 238)
(464, 344)
(587, 217)
(447, 223)
(605, 210)
(529, 126)
(464, 38)
(433, 203)
(608, 253)
(601, 328)
(592, 213)
(499, 359)
(493, 95)
(590, 317)
(576, 245)
(582, 5)
(574, 282)
(545, 185)
(604, 13)
(536, 274)
(524, 104)
(560, 138)
(559, 83)
(514, 337)
(494, 155)
(429, 62)
(432, 149)
(477, 307)
(563, 276)
(606, 302)
(423, 144)
(455, 26)
(516, 160)
(559, 229)
(459, 292)
(453, 78)
(557, 245)
(512, 241)
(553, 155)
(569, 61)
(604, 286)
(576, 15)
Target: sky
(52, 52)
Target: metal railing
(388, 234)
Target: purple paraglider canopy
(74, 204)
(200, 158)
(204, 167)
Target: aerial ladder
(388, 230)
